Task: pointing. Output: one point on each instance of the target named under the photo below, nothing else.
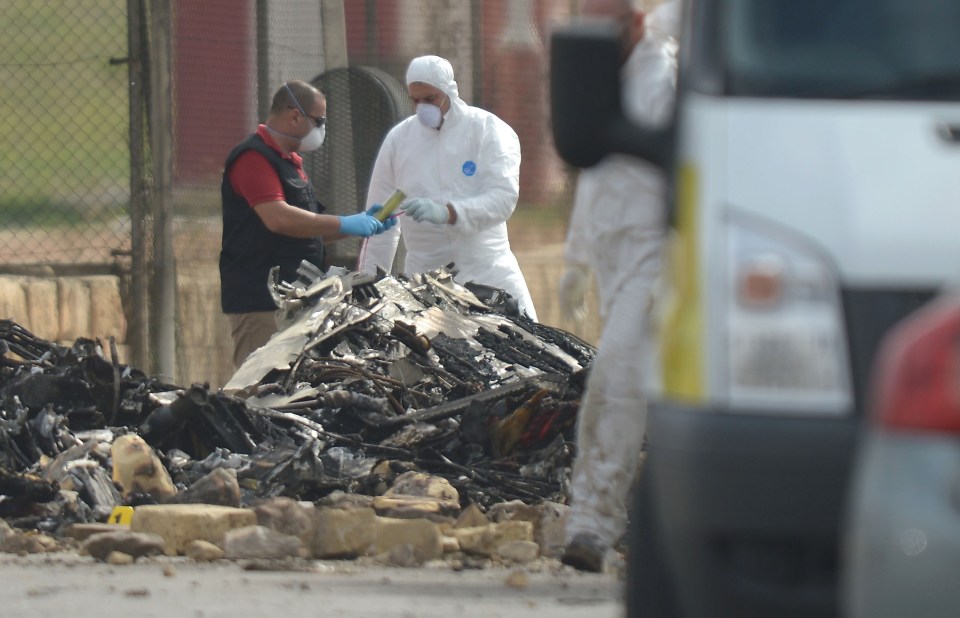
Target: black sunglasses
(319, 121)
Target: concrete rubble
(400, 420)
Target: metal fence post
(137, 330)
(163, 306)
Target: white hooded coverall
(473, 163)
(617, 230)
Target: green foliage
(44, 212)
(63, 134)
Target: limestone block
(484, 540)
(286, 515)
(421, 484)
(450, 544)
(29, 543)
(519, 551)
(203, 551)
(402, 556)
(74, 295)
(179, 524)
(548, 518)
(471, 517)
(106, 310)
(550, 529)
(118, 558)
(343, 533)
(6, 532)
(137, 469)
(220, 486)
(43, 307)
(134, 544)
(260, 543)
(416, 507)
(422, 534)
(13, 301)
(83, 531)
(340, 500)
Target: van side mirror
(585, 99)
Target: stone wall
(204, 346)
(61, 309)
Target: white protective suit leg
(612, 420)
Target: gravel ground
(66, 584)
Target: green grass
(45, 212)
(64, 151)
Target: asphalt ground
(74, 586)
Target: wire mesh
(64, 186)
(64, 143)
(363, 103)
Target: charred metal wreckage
(367, 378)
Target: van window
(898, 49)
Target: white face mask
(430, 115)
(313, 139)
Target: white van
(815, 155)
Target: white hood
(874, 183)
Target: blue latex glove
(425, 209)
(388, 223)
(360, 224)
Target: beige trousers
(249, 332)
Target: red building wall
(213, 84)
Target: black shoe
(585, 552)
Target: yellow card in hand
(390, 205)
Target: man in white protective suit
(617, 232)
(459, 167)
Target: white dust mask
(430, 115)
(313, 139)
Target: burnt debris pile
(368, 378)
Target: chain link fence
(65, 194)
(65, 181)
